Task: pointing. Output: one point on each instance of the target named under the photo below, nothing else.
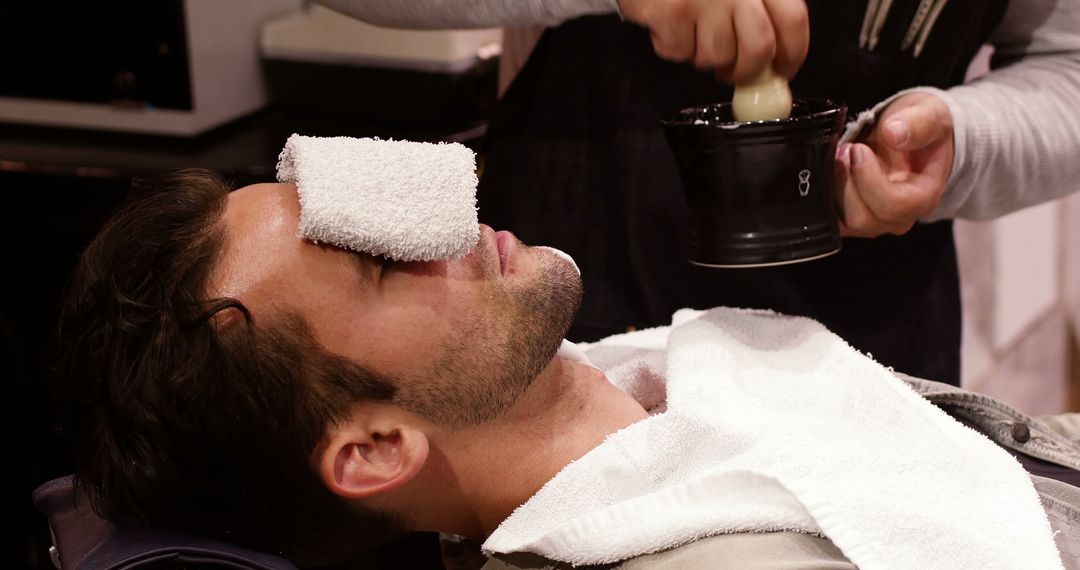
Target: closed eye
(369, 267)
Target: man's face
(461, 339)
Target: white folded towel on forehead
(409, 201)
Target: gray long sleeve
(1017, 128)
(461, 14)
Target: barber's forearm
(1017, 137)
(460, 14)
(1017, 129)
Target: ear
(372, 453)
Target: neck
(566, 412)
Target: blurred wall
(1020, 278)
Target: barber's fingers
(918, 125)
(890, 202)
(671, 23)
(791, 23)
(716, 47)
(755, 39)
(738, 38)
(856, 218)
(674, 38)
(896, 202)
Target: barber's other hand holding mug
(895, 175)
(737, 38)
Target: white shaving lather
(563, 255)
(408, 201)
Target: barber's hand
(737, 38)
(890, 179)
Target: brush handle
(765, 98)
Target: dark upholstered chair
(84, 541)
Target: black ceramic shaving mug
(759, 193)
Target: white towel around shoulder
(775, 423)
(409, 201)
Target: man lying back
(228, 378)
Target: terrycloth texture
(775, 423)
(409, 201)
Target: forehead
(263, 208)
(260, 238)
(257, 205)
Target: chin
(561, 255)
(556, 296)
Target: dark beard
(473, 384)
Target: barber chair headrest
(84, 541)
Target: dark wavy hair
(181, 421)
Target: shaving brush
(766, 97)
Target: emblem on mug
(804, 182)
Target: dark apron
(575, 159)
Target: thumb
(917, 126)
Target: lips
(504, 244)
